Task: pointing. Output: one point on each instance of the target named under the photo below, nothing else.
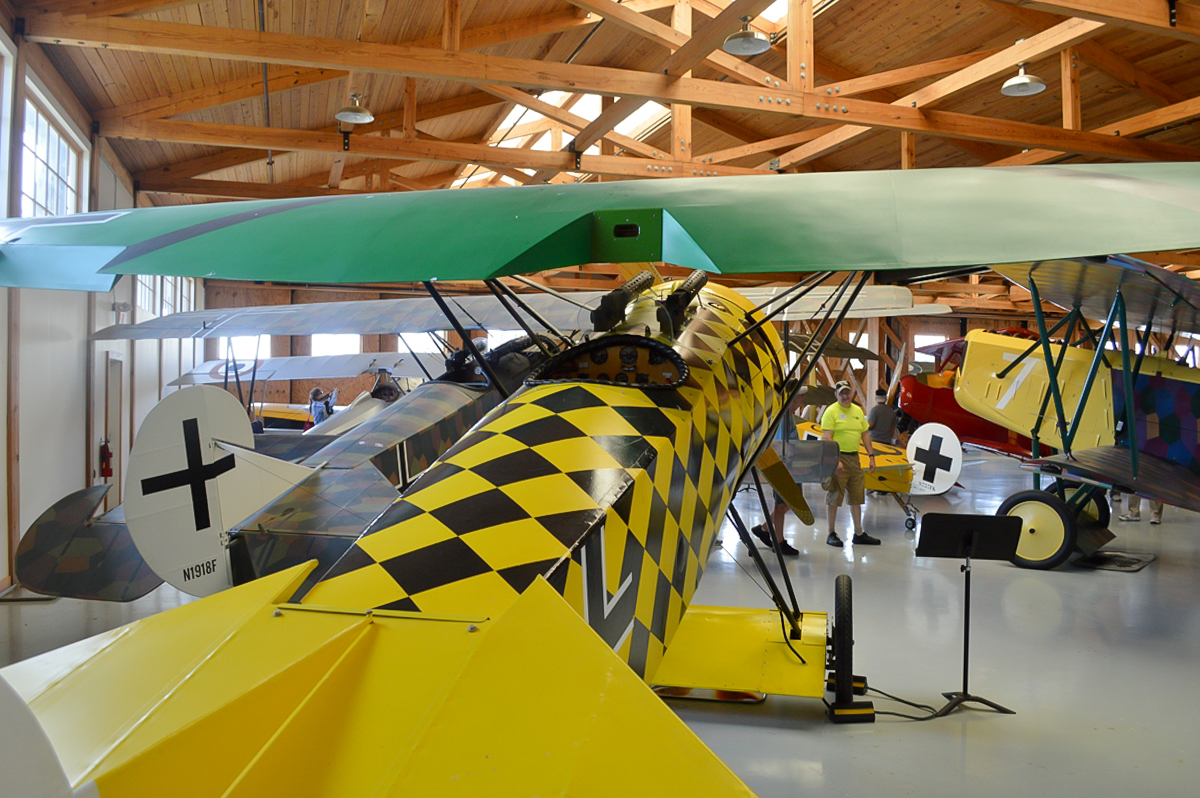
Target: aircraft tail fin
(334, 703)
(192, 476)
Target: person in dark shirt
(881, 420)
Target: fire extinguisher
(105, 459)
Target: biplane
(497, 630)
(927, 395)
(1119, 417)
(324, 492)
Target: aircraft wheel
(1047, 530)
(910, 523)
(1095, 512)
(843, 641)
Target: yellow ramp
(246, 696)
(736, 649)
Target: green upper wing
(843, 220)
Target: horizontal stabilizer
(744, 650)
(333, 703)
(66, 552)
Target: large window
(245, 347)
(49, 167)
(920, 341)
(145, 293)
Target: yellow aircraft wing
(1015, 401)
(893, 472)
(485, 708)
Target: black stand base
(851, 712)
(958, 699)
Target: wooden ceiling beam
(896, 77)
(1095, 54)
(390, 120)
(284, 78)
(228, 189)
(228, 91)
(623, 108)
(145, 35)
(573, 121)
(702, 52)
(1063, 35)
(1151, 16)
(1150, 121)
(765, 145)
(420, 149)
(103, 8)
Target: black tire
(843, 641)
(1048, 532)
(1095, 512)
(910, 523)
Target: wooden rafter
(391, 120)
(144, 35)
(1134, 126)
(1152, 16)
(403, 149)
(570, 120)
(1053, 40)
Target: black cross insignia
(933, 459)
(195, 475)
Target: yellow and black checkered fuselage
(610, 486)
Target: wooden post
(452, 25)
(1071, 108)
(908, 150)
(410, 107)
(801, 51)
(681, 115)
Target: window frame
(33, 102)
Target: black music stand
(984, 537)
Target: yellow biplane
(494, 631)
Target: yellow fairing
(1015, 401)
(254, 698)
(730, 648)
(893, 472)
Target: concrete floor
(1097, 664)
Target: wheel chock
(852, 712)
(860, 684)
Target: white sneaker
(1154, 519)
(1130, 517)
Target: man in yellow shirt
(845, 423)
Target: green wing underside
(781, 223)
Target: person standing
(320, 404)
(844, 423)
(1135, 510)
(881, 421)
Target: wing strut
(776, 596)
(491, 284)
(1127, 374)
(516, 298)
(468, 344)
(787, 579)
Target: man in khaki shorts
(845, 423)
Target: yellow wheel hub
(1042, 531)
